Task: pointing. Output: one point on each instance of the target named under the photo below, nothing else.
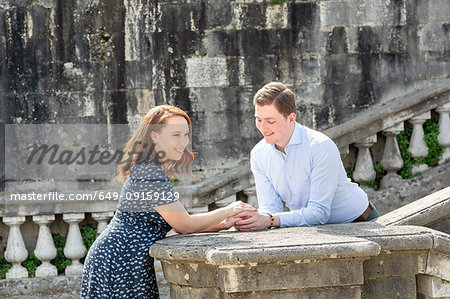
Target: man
(300, 167)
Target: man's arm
(268, 201)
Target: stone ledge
(276, 245)
(420, 212)
(48, 287)
(363, 258)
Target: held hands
(248, 221)
(238, 207)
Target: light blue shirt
(310, 178)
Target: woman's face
(173, 138)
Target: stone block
(422, 11)
(140, 101)
(139, 74)
(438, 265)
(277, 16)
(390, 287)
(432, 37)
(183, 292)
(433, 287)
(206, 72)
(194, 273)
(438, 11)
(248, 15)
(395, 263)
(352, 292)
(396, 12)
(298, 274)
(219, 13)
(341, 13)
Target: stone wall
(110, 61)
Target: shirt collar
(296, 137)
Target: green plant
(435, 150)
(89, 234)
(349, 170)
(277, 2)
(60, 261)
(4, 267)
(31, 263)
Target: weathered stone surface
(432, 286)
(424, 211)
(105, 62)
(237, 264)
(410, 190)
(54, 287)
(394, 287)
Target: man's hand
(252, 221)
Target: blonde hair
(141, 147)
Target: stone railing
(67, 214)
(354, 260)
(431, 211)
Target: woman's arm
(177, 217)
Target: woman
(118, 264)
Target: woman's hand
(229, 222)
(238, 207)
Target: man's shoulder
(317, 138)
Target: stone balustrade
(44, 214)
(354, 260)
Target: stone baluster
(45, 247)
(102, 219)
(74, 248)
(417, 145)
(444, 131)
(16, 251)
(364, 170)
(252, 199)
(392, 158)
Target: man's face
(273, 125)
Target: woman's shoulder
(147, 169)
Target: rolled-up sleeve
(325, 162)
(268, 199)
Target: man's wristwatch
(271, 219)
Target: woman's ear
(155, 136)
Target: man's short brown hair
(278, 94)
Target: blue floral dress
(118, 264)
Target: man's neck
(282, 146)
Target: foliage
(349, 170)
(435, 150)
(277, 2)
(31, 263)
(4, 267)
(89, 234)
(60, 261)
